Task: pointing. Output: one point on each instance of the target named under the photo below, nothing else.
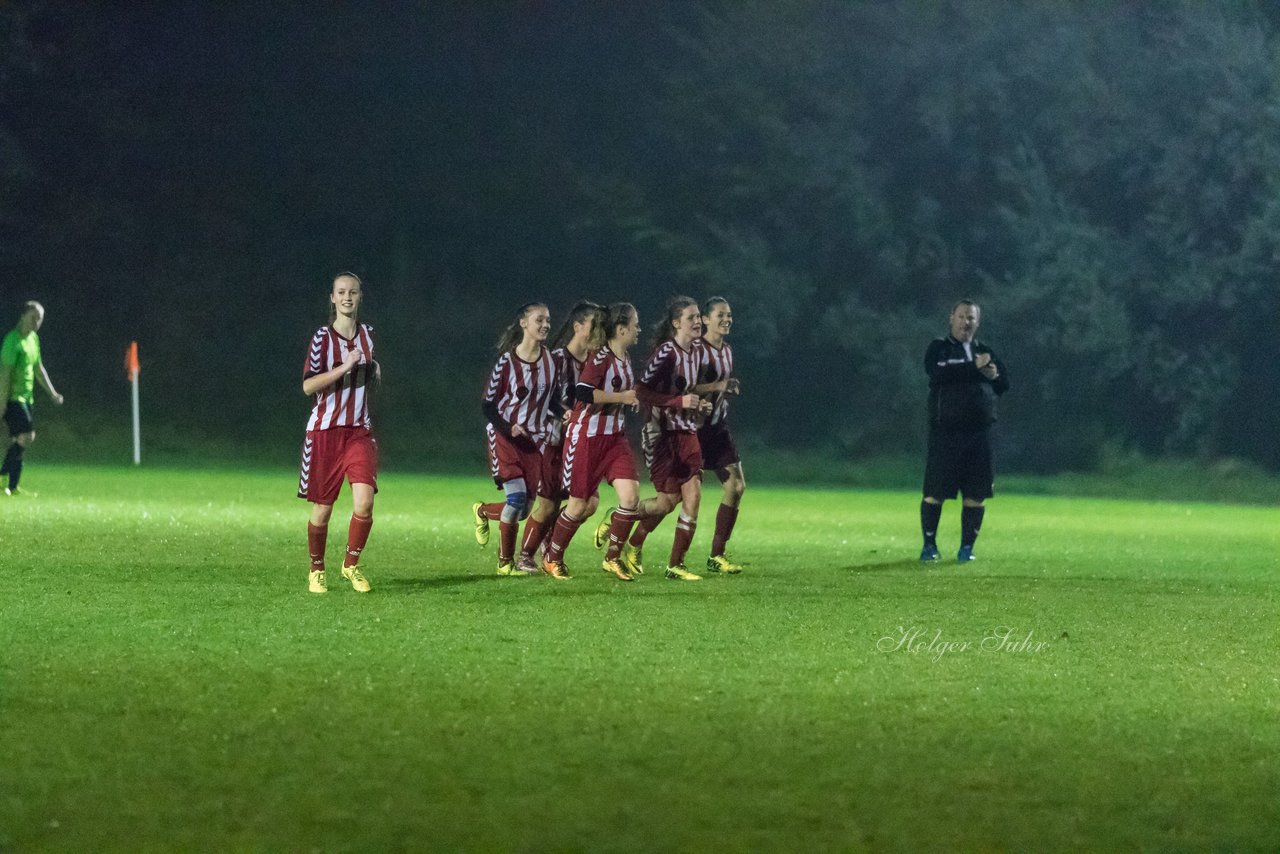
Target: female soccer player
(671, 434)
(339, 371)
(576, 340)
(521, 408)
(595, 445)
(719, 454)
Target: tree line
(1102, 178)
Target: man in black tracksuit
(965, 378)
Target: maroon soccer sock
(619, 529)
(357, 536)
(507, 541)
(684, 536)
(644, 528)
(535, 532)
(493, 511)
(566, 527)
(726, 516)
(316, 537)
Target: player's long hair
(583, 311)
(513, 334)
(616, 315)
(333, 309)
(664, 331)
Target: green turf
(166, 683)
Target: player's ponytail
(580, 313)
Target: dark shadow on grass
(902, 563)
(410, 585)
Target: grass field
(166, 683)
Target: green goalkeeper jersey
(19, 355)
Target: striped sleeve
(497, 379)
(315, 361)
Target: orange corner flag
(131, 367)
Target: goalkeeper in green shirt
(20, 367)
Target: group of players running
(556, 415)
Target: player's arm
(653, 398)
(588, 389)
(319, 382)
(47, 383)
(657, 375)
(943, 370)
(992, 369)
(8, 359)
(491, 414)
(721, 387)
(587, 393)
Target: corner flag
(132, 369)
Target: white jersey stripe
(672, 370)
(346, 402)
(716, 366)
(523, 391)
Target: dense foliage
(1102, 177)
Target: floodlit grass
(167, 683)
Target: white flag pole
(132, 366)
(137, 426)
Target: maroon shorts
(718, 450)
(591, 459)
(513, 458)
(677, 459)
(330, 455)
(552, 473)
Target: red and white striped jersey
(523, 391)
(606, 372)
(717, 365)
(673, 371)
(568, 369)
(346, 402)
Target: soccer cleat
(929, 553)
(680, 573)
(631, 558)
(615, 568)
(526, 564)
(316, 582)
(555, 569)
(482, 524)
(602, 530)
(720, 563)
(19, 492)
(507, 567)
(358, 582)
(965, 554)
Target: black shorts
(17, 416)
(959, 462)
